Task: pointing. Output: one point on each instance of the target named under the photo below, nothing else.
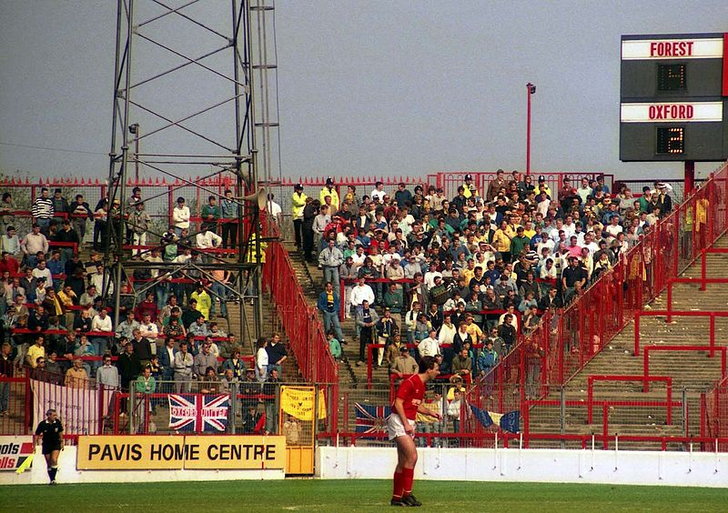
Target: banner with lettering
(198, 413)
(14, 451)
(299, 402)
(181, 452)
(78, 408)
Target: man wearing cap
(543, 187)
(469, 189)
(298, 202)
(404, 364)
(329, 190)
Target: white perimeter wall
(67, 473)
(531, 465)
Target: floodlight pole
(530, 90)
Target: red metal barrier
(711, 348)
(301, 321)
(666, 313)
(590, 389)
(528, 436)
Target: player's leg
(408, 461)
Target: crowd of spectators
(463, 277)
(56, 312)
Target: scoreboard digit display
(674, 96)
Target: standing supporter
(298, 203)
(328, 304)
(229, 209)
(277, 354)
(42, 210)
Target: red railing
(714, 414)
(646, 379)
(669, 314)
(649, 349)
(300, 321)
(605, 405)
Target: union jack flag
(198, 412)
(371, 419)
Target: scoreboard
(674, 95)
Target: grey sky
(366, 87)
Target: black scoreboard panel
(641, 79)
(672, 142)
(673, 98)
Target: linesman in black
(50, 431)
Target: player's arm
(399, 410)
(426, 411)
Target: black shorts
(47, 449)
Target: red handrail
(711, 348)
(600, 377)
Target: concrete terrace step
(693, 371)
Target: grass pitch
(355, 495)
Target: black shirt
(275, 353)
(573, 274)
(51, 432)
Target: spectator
(142, 347)
(298, 203)
(166, 359)
(180, 216)
(430, 345)
(334, 345)
(32, 244)
(328, 304)
(107, 376)
(229, 209)
(210, 215)
(261, 360)
(42, 211)
(330, 259)
(404, 364)
(366, 319)
(276, 353)
(183, 364)
(271, 388)
(76, 376)
(386, 327)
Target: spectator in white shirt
(429, 346)
(41, 271)
(32, 244)
(361, 292)
(149, 329)
(180, 216)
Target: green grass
(355, 495)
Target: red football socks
(408, 476)
(398, 485)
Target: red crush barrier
(300, 321)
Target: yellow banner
(299, 402)
(180, 452)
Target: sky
(364, 87)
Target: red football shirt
(412, 392)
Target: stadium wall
(532, 465)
